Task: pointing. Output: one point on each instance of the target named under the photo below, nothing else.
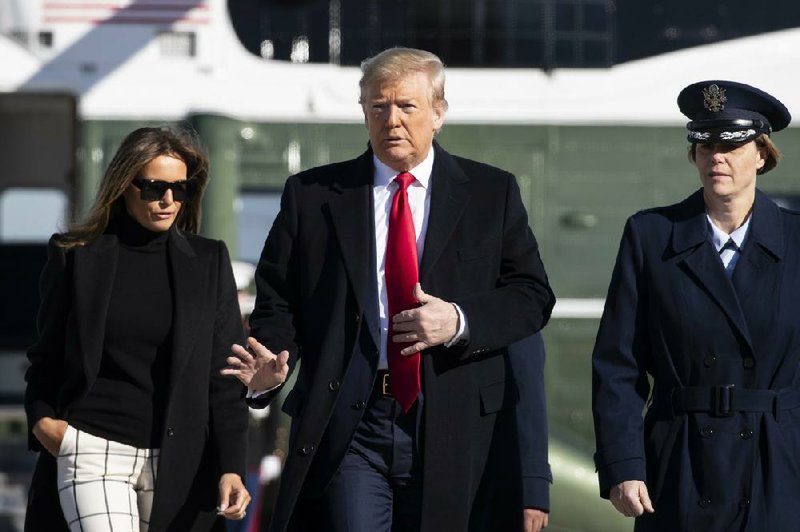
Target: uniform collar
(719, 237)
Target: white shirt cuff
(462, 334)
(252, 394)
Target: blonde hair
(136, 151)
(394, 63)
(764, 144)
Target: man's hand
(50, 432)
(631, 499)
(434, 322)
(233, 497)
(534, 520)
(259, 371)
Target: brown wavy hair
(136, 151)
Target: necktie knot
(729, 245)
(404, 179)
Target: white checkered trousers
(104, 485)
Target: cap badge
(714, 98)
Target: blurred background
(576, 97)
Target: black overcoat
(317, 298)
(715, 457)
(206, 418)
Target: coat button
(359, 405)
(358, 318)
(709, 361)
(705, 502)
(306, 450)
(706, 432)
(746, 434)
(744, 503)
(170, 432)
(333, 385)
(748, 363)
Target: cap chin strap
(703, 125)
(726, 130)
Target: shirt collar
(385, 175)
(719, 237)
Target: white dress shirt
(419, 198)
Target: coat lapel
(353, 221)
(95, 268)
(690, 236)
(449, 198)
(188, 273)
(762, 251)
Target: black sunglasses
(154, 190)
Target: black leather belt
(727, 399)
(381, 387)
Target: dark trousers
(378, 487)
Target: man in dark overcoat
(364, 454)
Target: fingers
(233, 497)
(242, 354)
(417, 347)
(282, 359)
(534, 520)
(420, 295)
(224, 495)
(257, 347)
(631, 498)
(644, 496)
(282, 364)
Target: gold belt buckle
(385, 384)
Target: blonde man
(397, 278)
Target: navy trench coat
(713, 363)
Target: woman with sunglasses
(137, 428)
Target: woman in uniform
(701, 332)
(137, 429)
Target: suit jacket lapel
(95, 268)
(353, 220)
(449, 198)
(690, 235)
(188, 273)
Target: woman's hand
(50, 431)
(630, 498)
(534, 520)
(257, 367)
(233, 497)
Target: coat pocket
(498, 396)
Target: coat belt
(727, 399)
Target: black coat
(317, 298)
(673, 315)
(526, 358)
(206, 418)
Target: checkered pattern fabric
(104, 485)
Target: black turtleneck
(127, 401)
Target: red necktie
(401, 271)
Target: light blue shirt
(729, 246)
